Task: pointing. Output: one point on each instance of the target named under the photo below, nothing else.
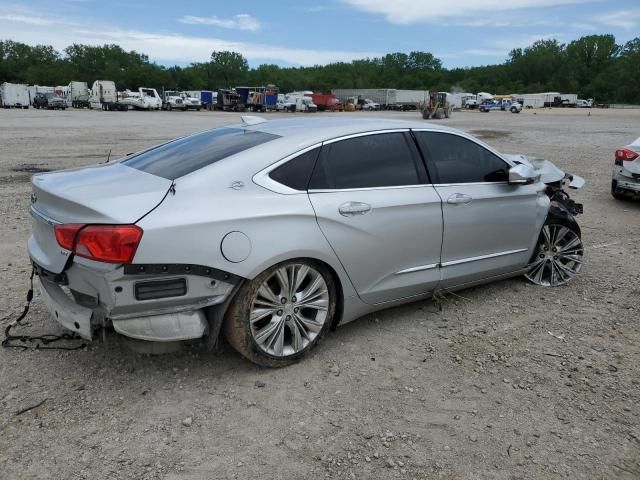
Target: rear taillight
(103, 243)
(625, 155)
(66, 234)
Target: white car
(370, 105)
(626, 172)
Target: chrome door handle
(350, 209)
(458, 198)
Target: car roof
(316, 129)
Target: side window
(458, 160)
(297, 171)
(382, 160)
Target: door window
(382, 160)
(455, 159)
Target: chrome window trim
(363, 134)
(482, 257)
(367, 189)
(419, 268)
(42, 217)
(470, 183)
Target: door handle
(350, 209)
(458, 198)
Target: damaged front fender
(548, 171)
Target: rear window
(185, 155)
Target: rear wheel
(558, 255)
(279, 316)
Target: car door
(382, 219)
(489, 225)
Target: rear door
(489, 225)
(382, 219)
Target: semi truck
(105, 96)
(78, 95)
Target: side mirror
(522, 175)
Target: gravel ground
(503, 381)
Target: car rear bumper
(159, 303)
(626, 182)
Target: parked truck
(257, 99)
(14, 95)
(105, 96)
(326, 102)
(78, 95)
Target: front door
(382, 220)
(489, 225)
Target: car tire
(263, 319)
(558, 253)
(616, 192)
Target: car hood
(549, 172)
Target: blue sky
(459, 32)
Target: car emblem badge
(34, 198)
(237, 185)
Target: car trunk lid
(105, 194)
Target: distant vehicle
(626, 172)
(305, 104)
(471, 102)
(50, 101)
(227, 100)
(191, 102)
(78, 95)
(143, 99)
(105, 96)
(173, 100)
(489, 105)
(562, 100)
(326, 101)
(581, 103)
(437, 107)
(14, 95)
(258, 99)
(509, 104)
(285, 106)
(370, 105)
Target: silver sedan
(274, 232)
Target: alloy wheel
(289, 310)
(558, 257)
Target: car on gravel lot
(626, 172)
(274, 232)
(49, 101)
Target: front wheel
(558, 255)
(280, 315)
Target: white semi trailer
(14, 95)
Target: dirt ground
(505, 381)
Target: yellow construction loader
(437, 107)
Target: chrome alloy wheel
(289, 310)
(558, 257)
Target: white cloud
(417, 11)
(169, 48)
(625, 19)
(29, 20)
(241, 21)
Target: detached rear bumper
(160, 303)
(65, 311)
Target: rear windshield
(185, 155)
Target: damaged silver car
(274, 232)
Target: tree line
(593, 66)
